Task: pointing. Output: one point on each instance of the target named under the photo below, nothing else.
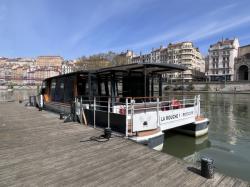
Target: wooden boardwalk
(37, 149)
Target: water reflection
(186, 146)
(228, 141)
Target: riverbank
(202, 91)
(25, 87)
(211, 87)
(39, 149)
(17, 94)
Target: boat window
(86, 89)
(59, 90)
(62, 85)
(68, 89)
(52, 88)
(103, 92)
(81, 85)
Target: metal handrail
(130, 106)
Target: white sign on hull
(166, 119)
(175, 118)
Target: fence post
(157, 109)
(109, 112)
(198, 103)
(94, 110)
(126, 117)
(81, 120)
(132, 113)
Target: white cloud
(222, 10)
(213, 28)
(102, 13)
(200, 28)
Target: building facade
(183, 53)
(242, 64)
(221, 60)
(27, 70)
(43, 61)
(67, 67)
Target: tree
(120, 60)
(92, 63)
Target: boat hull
(154, 141)
(197, 128)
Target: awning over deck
(150, 68)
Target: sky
(75, 28)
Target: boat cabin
(133, 80)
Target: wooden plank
(36, 148)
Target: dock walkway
(37, 149)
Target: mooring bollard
(107, 133)
(32, 100)
(61, 115)
(207, 168)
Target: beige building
(183, 53)
(221, 60)
(125, 57)
(67, 67)
(186, 54)
(43, 61)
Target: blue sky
(72, 28)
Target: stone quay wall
(215, 86)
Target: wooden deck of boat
(37, 149)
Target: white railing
(132, 106)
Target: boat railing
(129, 107)
(109, 105)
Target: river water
(228, 139)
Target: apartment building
(183, 53)
(186, 54)
(67, 67)
(54, 61)
(221, 59)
